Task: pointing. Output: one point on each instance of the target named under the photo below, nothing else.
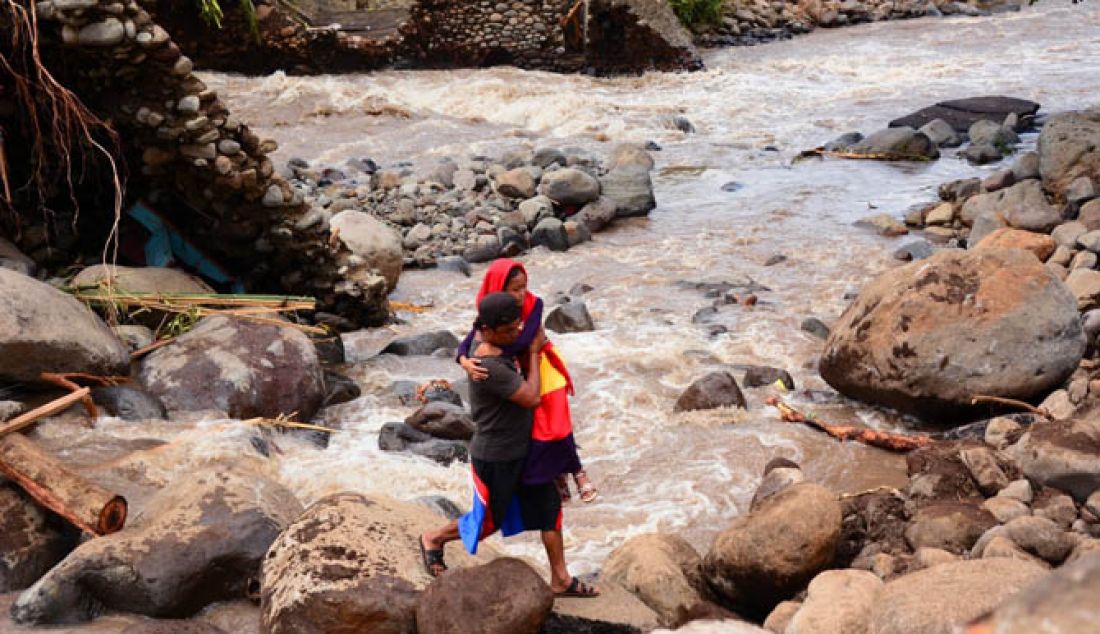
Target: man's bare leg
(560, 579)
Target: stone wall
(200, 166)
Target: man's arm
(528, 394)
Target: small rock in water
(653, 146)
(981, 154)
(778, 258)
(717, 389)
(571, 317)
(683, 124)
(762, 375)
(455, 263)
(732, 186)
(914, 251)
(885, 225)
(422, 344)
(843, 142)
(580, 289)
(815, 327)
(129, 403)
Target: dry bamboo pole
(49, 409)
(870, 437)
(85, 505)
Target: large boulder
(421, 344)
(196, 542)
(444, 420)
(325, 575)
(1022, 206)
(148, 279)
(902, 143)
(1061, 603)
(45, 330)
(938, 599)
(1062, 454)
(1040, 245)
(1069, 147)
(717, 389)
(378, 245)
(837, 602)
(660, 569)
(32, 541)
(960, 114)
(630, 155)
(239, 367)
(631, 189)
(771, 553)
(570, 317)
(505, 596)
(569, 186)
(926, 337)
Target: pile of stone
(749, 22)
(477, 209)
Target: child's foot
(585, 489)
(563, 489)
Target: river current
(754, 109)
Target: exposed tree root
(871, 437)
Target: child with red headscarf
(553, 452)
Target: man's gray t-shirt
(503, 428)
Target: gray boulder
(324, 575)
(939, 599)
(717, 389)
(941, 133)
(768, 555)
(129, 403)
(442, 420)
(13, 259)
(597, 214)
(550, 233)
(45, 330)
(1022, 206)
(925, 337)
(1069, 147)
(570, 317)
(631, 189)
(630, 155)
(897, 143)
(569, 186)
(378, 245)
(422, 344)
(1062, 454)
(242, 368)
(196, 542)
(992, 133)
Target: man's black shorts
(540, 504)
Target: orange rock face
(1040, 244)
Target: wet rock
(884, 225)
(941, 133)
(1062, 454)
(992, 133)
(960, 114)
(325, 575)
(732, 187)
(340, 389)
(1069, 147)
(976, 154)
(900, 143)
(571, 317)
(939, 598)
(894, 346)
(505, 596)
(629, 155)
(660, 569)
(631, 189)
(129, 403)
(597, 214)
(950, 526)
(442, 420)
(914, 251)
(762, 375)
(454, 263)
(545, 157)
(843, 142)
(135, 337)
(536, 210)
(771, 553)
(960, 190)
(815, 327)
(45, 330)
(13, 259)
(717, 389)
(1062, 603)
(837, 601)
(550, 233)
(196, 542)
(1022, 206)
(422, 344)
(775, 480)
(242, 368)
(31, 539)
(443, 393)
(569, 186)
(149, 279)
(379, 246)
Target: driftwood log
(871, 437)
(85, 505)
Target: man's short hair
(496, 310)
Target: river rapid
(754, 109)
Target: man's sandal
(579, 589)
(433, 559)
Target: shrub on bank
(697, 12)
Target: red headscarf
(494, 283)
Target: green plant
(697, 12)
(212, 14)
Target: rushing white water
(659, 470)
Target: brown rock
(31, 540)
(1041, 244)
(661, 570)
(837, 601)
(717, 389)
(1062, 603)
(950, 526)
(505, 596)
